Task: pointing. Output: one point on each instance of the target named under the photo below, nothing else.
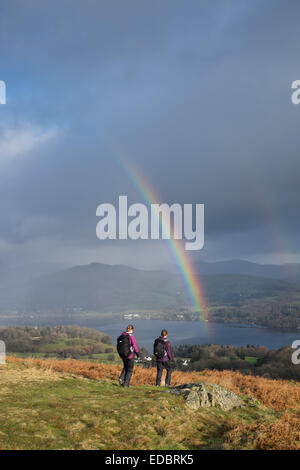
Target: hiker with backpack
(163, 352)
(127, 347)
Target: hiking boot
(121, 382)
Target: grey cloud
(197, 96)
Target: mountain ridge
(104, 288)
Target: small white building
(127, 316)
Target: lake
(181, 332)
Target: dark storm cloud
(197, 94)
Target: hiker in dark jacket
(164, 362)
(128, 362)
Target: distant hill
(104, 288)
(286, 272)
(233, 288)
(101, 288)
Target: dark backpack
(159, 348)
(123, 346)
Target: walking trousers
(161, 365)
(127, 370)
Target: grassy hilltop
(69, 404)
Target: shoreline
(51, 320)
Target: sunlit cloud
(18, 142)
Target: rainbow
(183, 261)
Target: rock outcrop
(203, 394)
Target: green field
(251, 359)
(41, 409)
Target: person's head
(164, 333)
(130, 329)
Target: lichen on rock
(206, 395)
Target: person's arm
(134, 345)
(170, 351)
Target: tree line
(253, 360)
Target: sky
(196, 95)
